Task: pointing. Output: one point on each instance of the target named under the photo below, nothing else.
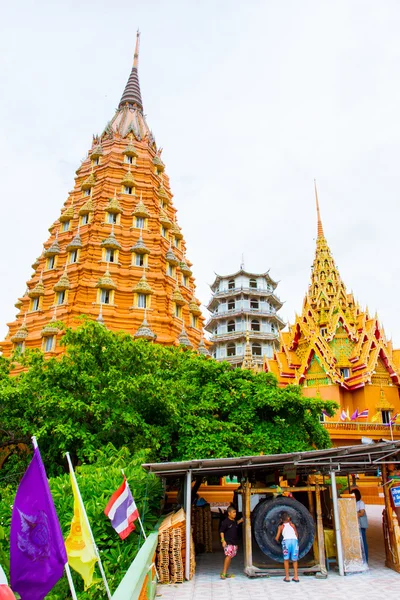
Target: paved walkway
(206, 584)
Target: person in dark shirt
(229, 539)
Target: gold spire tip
(319, 222)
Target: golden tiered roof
(63, 283)
(113, 205)
(143, 287)
(126, 135)
(333, 341)
(87, 208)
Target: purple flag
(354, 416)
(37, 550)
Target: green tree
(109, 388)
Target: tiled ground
(206, 585)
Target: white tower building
(244, 302)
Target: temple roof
(333, 340)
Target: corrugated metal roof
(362, 458)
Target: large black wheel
(267, 519)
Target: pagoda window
(255, 325)
(272, 328)
(61, 297)
(86, 193)
(176, 243)
(185, 280)
(178, 311)
(231, 350)
(194, 321)
(140, 222)
(253, 283)
(128, 189)
(73, 257)
(139, 260)
(110, 255)
(112, 218)
(385, 416)
(65, 226)
(130, 160)
(35, 304)
(51, 262)
(164, 232)
(85, 219)
(256, 349)
(345, 372)
(231, 305)
(171, 271)
(323, 331)
(231, 284)
(254, 303)
(142, 301)
(231, 326)
(49, 343)
(96, 162)
(105, 296)
(19, 347)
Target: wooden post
(311, 508)
(246, 497)
(320, 533)
(188, 508)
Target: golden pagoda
(339, 352)
(109, 253)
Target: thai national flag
(343, 415)
(122, 510)
(363, 414)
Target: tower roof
(131, 93)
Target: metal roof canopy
(363, 458)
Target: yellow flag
(376, 416)
(79, 545)
(348, 415)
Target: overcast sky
(250, 100)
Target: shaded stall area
(304, 483)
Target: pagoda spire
(132, 95)
(319, 222)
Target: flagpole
(70, 581)
(139, 519)
(71, 468)
(66, 566)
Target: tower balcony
(256, 292)
(254, 336)
(248, 312)
(237, 360)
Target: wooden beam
(248, 556)
(320, 533)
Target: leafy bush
(96, 482)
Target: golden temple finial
(320, 229)
(136, 55)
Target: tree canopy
(110, 388)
